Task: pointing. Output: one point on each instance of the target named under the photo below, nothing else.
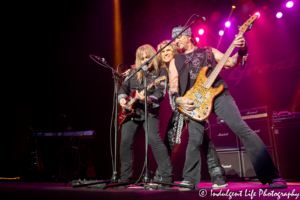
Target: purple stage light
(279, 15)
(289, 4)
(227, 24)
(197, 39)
(221, 32)
(201, 31)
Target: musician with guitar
(176, 123)
(132, 116)
(197, 96)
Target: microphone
(201, 19)
(98, 58)
(243, 63)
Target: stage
(235, 190)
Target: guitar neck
(220, 65)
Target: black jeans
(208, 148)
(225, 107)
(129, 130)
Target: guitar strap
(179, 121)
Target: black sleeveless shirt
(189, 65)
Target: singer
(183, 71)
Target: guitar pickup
(197, 106)
(199, 97)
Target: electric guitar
(124, 114)
(202, 93)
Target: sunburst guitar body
(202, 93)
(202, 97)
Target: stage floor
(235, 190)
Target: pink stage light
(279, 15)
(227, 24)
(197, 39)
(289, 4)
(201, 31)
(221, 32)
(257, 13)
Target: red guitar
(124, 114)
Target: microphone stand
(114, 179)
(145, 68)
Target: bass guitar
(202, 93)
(124, 114)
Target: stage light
(257, 13)
(221, 32)
(227, 24)
(279, 15)
(289, 4)
(197, 39)
(233, 7)
(201, 31)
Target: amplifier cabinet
(224, 138)
(248, 170)
(287, 149)
(231, 163)
(262, 128)
(286, 120)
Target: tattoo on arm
(174, 85)
(234, 60)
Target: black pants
(208, 148)
(225, 107)
(129, 130)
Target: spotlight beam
(232, 8)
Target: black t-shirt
(189, 65)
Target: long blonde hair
(174, 51)
(150, 51)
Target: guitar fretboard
(220, 65)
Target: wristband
(175, 95)
(242, 52)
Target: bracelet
(175, 95)
(242, 52)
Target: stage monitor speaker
(224, 138)
(287, 149)
(262, 128)
(231, 163)
(248, 170)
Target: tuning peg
(249, 16)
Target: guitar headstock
(248, 24)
